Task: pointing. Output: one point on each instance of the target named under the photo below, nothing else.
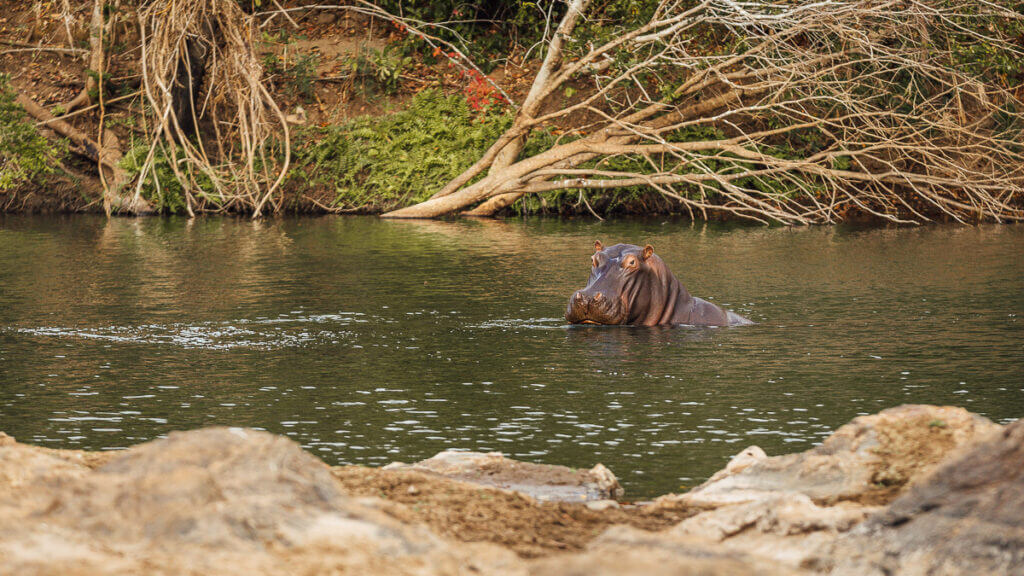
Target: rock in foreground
(233, 501)
(967, 518)
(870, 460)
(212, 501)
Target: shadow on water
(370, 341)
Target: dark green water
(370, 341)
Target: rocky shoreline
(911, 490)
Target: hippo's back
(737, 320)
(700, 312)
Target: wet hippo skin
(632, 285)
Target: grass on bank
(25, 155)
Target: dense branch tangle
(807, 110)
(237, 155)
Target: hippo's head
(627, 286)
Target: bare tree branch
(813, 109)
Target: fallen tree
(805, 111)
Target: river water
(370, 341)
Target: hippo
(632, 285)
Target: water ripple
(258, 333)
(532, 323)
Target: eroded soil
(472, 513)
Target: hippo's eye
(629, 261)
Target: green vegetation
(378, 69)
(379, 163)
(490, 30)
(294, 77)
(489, 27)
(165, 193)
(25, 155)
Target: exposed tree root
(200, 68)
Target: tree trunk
(496, 182)
(96, 31)
(188, 82)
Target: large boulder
(541, 481)
(213, 501)
(966, 518)
(870, 460)
(784, 508)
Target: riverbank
(377, 120)
(880, 495)
(351, 108)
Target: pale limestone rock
(541, 481)
(740, 462)
(623, 551)
(784, 527)
(965, 518)
(599, 505)
(871, 459)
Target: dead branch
(28, 47)
(820, 107)
(540, 88)
(107, 158)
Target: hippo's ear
(648, 252)
(598, 246)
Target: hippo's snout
(590, 308)
(581, 297)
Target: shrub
(381, 68)
(381, 163)
(166, 194)
(297, 78)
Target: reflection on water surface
(370, 341)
